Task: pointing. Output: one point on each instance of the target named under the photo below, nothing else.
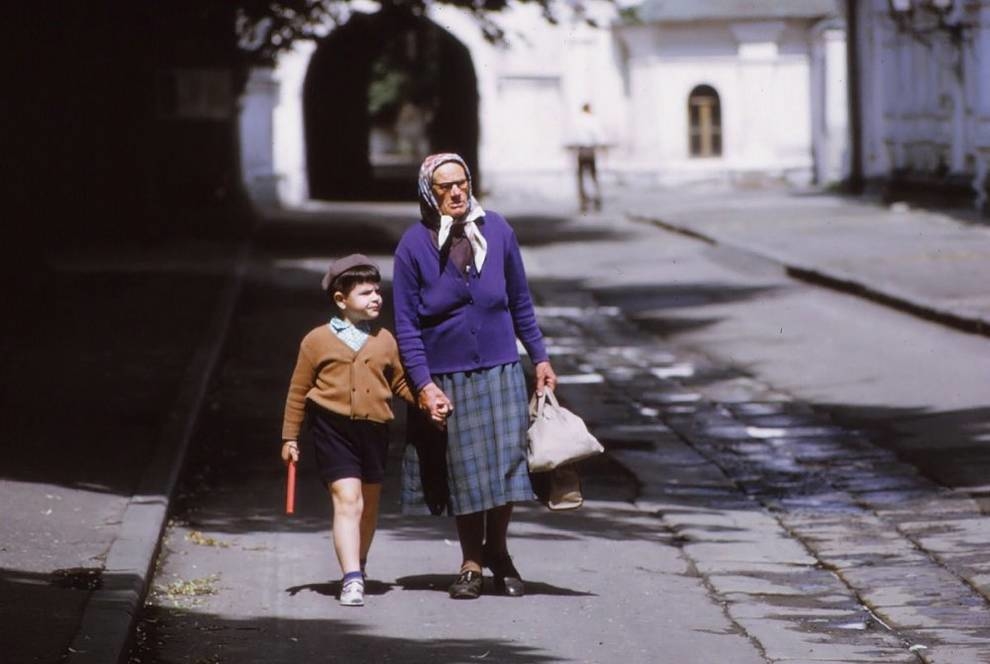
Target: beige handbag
(556, 435)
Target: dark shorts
(343, 447)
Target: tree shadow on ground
(96, 380)
(657, 308)
(542, 230)
(948, 447)
(263, 640)
(40, 612)
(661, 310)
(638, 298)
(287, 238)
(340, 230)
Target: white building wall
(638, 80)
(925, 96)
(761, 71)
(534, 88)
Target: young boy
(345, 376)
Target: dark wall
(94, 150)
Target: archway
(380, 93)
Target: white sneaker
(352, 594)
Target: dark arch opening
(704, 122)
(381, 92)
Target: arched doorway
(380, 93)
(705, 122)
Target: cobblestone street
(820, 544)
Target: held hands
(290, 452)
(434, 402)
(545, 377)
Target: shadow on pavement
(97, 381)
(285, 239)
(37, 613)
(948, 447)
(339, 230)
(542, 230)
(647, 304)
(266, 640)
(440, 582)
(332, 589)
(634, 300)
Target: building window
(705, 119)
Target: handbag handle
(537, 403)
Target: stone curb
(847, 283)
(107, 624)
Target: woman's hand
(545, 377)
(433, 401)
(290, 452)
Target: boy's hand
(290, 452)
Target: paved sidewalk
(109, 378)
(921, 261)
(102, 459)
(687, 554)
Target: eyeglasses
(447, 186)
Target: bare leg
(371, 494)
(471, 533)
(348, 505)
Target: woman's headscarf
(476, 249)
(428, 206)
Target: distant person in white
(588, 138)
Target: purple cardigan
(446, 322)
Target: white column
(877, 82)
(257, 143)
(981, 48)
(757, 52)
(830, 103)
(288, 131)
(980, 135)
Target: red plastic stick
(290, 489)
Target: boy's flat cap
(342, 265)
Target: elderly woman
(461, 300)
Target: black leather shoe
(506, 576)
(467, 586)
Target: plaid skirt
(479, 462)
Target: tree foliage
(267, 27)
